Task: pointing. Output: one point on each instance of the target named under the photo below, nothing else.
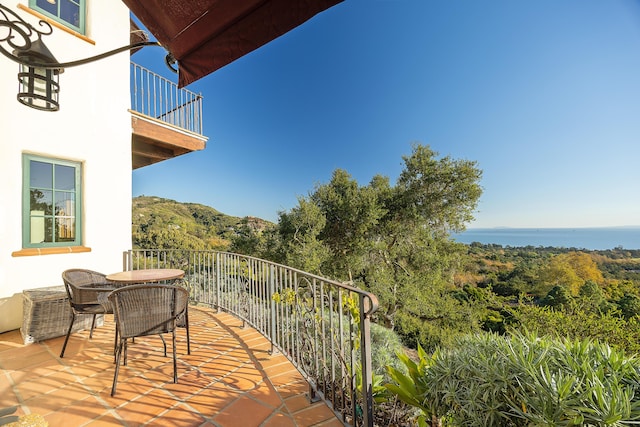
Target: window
(51, 202)
(70, 13)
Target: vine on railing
(320, 325)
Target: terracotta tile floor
(229, 380)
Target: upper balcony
(166, 121)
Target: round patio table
(146, 275)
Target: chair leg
(93, 324)
(115, 345)
(115, 374)
(66, 339)
(164, 343)
(186, 321)
(175, 363)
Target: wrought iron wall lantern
(39, 71)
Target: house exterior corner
(66, 194)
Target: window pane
(52, 8)
(65, 229)
(65, 177)
(41, 229)
(65, 204)
(70, 12)
(41, 174)
(52, 203)
(41, 202)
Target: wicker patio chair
(87, 291)
(142, 310)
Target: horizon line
(507, 227)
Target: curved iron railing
(322, 326)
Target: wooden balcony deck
(166, 121)
(229, 380)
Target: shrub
(385, 345)
(524, 380)
(576, 322)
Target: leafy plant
(523, 380)
(412, 386)
(378, 390)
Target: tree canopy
(391, 240)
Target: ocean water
(579, 238)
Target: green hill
(167, 224)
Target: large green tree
(392, 240)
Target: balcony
(230, 379)
(270, 346)
(166, 122)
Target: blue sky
(543, 94)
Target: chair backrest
(75, 278)
(147, 309)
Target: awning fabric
(205, 35)
(136, 35)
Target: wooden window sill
(55, 23)
(51, 251)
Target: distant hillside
(167, 224)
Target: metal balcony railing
(320, 325)
(161, 99)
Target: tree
(572, 270)
(351, 214)
(592, 297)
(392, 240)
(440, 195)
(415, 260)
(629, 305)
(298, 232)
(557, 298)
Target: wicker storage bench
(46, 314)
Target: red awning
(205, 35)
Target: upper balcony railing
(161, 99)
(320, 325)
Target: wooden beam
(164, 133)
(140, 147)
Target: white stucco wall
(93, 126)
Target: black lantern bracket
(22, 42)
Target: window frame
(26, 202)
(82, 5)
